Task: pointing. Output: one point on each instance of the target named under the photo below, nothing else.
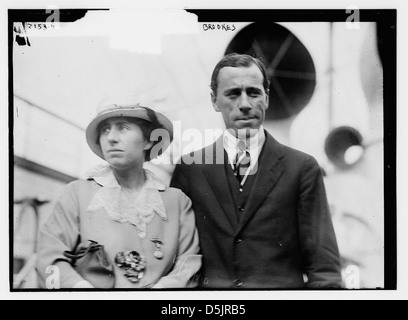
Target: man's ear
(267, 101)
(214, 101)
(148, 145)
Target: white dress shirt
(253, 145)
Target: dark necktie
(243, 161)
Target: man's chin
(244, 132)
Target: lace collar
(138, 211)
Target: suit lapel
(215, 172)
(270, 169)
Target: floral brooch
(133, 263)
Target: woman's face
(122, 143)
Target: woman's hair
(147, 127)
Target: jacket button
(238, 240)
(241, 209)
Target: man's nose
(244, 103)
(113, 135)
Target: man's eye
(254, 93)
(105, 130)
(123, 127)
(233, 94)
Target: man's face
(241, 98)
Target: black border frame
(387, 23)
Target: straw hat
(111, 110)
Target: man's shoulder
(210, 154)
(296, 153)
(289, 153)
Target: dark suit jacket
(285, 233)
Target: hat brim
(92, 134)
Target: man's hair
(238, 60)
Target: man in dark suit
(261, 207)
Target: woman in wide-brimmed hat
(146, 229)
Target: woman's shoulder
(165, 190)
(174, 195)
(176, 203)
(81, 185)
(174, 192)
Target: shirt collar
(253, 145)
(103, 175)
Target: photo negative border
(387, 22)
